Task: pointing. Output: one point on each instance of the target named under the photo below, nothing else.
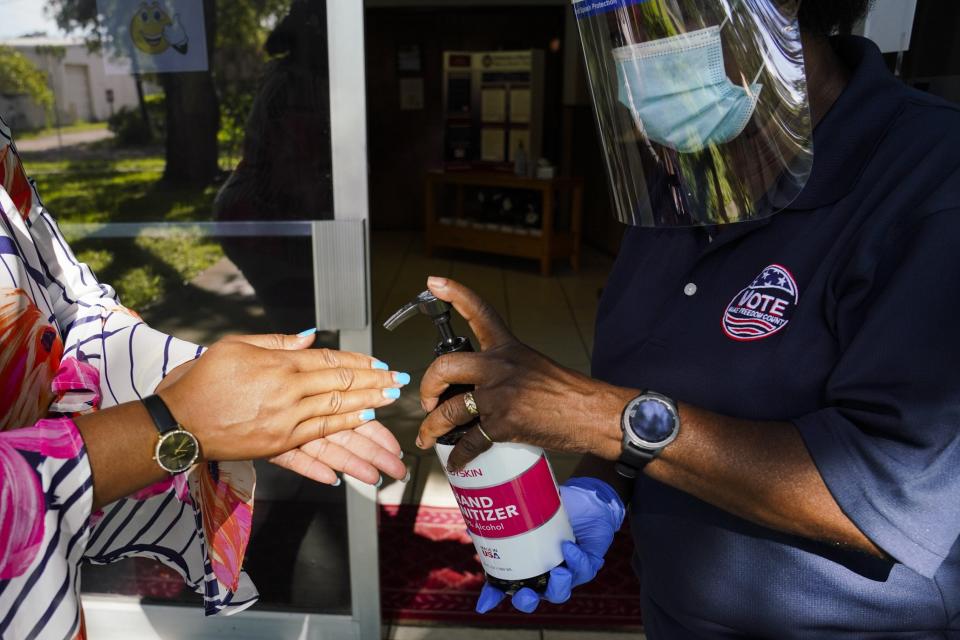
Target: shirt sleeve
(46, 495)
(199, 524)
(887, 442)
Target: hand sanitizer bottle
(508, 495)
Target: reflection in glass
(256, 158)
(285, 169)
(298, 553)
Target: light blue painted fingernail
(401, 454)
(406, 478)
(307, 333)
(381, 365)
(393, 394)
(379, 483)
(338, 482)
(367, 415)
(401, 378)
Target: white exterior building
(81, 89)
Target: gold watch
(177, 449)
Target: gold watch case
(177, 451)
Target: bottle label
(510, 509)
(509, 499)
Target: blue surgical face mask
(678, 91)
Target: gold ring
(471, 404)
(484, 434)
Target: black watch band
(160, 414)
(633, 460)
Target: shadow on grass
(204, 317)
(144, 270)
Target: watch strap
(633, 459)
(160, 414)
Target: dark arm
(760, 471)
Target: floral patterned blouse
(68, 347)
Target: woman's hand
(522, 395)
(364, 453)
(256, 397)
(260, 396)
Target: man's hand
(596, 513)
(522, 395)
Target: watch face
(652, 421)
(177, 451)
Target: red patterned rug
(429, 571)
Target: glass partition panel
(194, 200)
(298, 553)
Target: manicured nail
(419, 442)
(401, 378)
(338, 482)
(401, 454)
(307, 333)
(379, 483)
(406, 478)
(393, 394)
(434, 281)
(367, 415)
(380, 365)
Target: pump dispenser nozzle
(437, 310)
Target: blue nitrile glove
(596, 513)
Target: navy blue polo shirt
(842, 316)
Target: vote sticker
(763, 308)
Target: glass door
(231, 197)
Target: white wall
(70, 98)
(20, 112)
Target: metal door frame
(348, 128)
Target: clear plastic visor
(702, 107)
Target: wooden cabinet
(455, 230)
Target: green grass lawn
(77, 127)
(117, 190)
(105, 189)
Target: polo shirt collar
(845, 139)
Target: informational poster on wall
(493, 105)
(153, 36)
(491, 144)
(411, 94)
(519, 106)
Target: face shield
(702, 107)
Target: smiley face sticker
(153, 31)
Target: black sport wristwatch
(649, 422)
